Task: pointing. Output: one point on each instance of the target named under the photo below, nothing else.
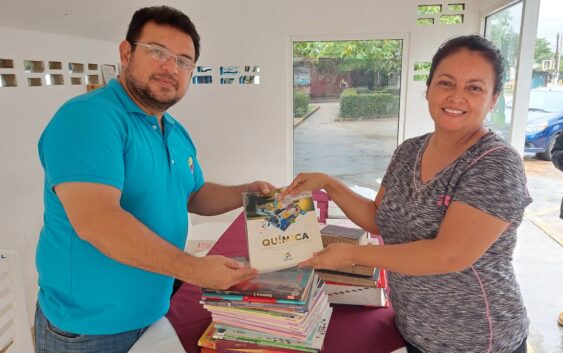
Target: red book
(207, 350)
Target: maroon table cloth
(351, 329)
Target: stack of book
(284, 311)
(357, 284)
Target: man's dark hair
(162, 15)
(474, 43)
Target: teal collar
(130, 105)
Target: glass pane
(425, 21)
(34, 81)
(55, 65)
(227, 81)
(545, 111)
(202, 80)
(456, 7)
(346, 108)
(229, 70)
(6, 64)
(421, 77)
(503, 29)
(422, 66)
(249, 80)
(92, 79)
(8, 80)
(32, 66)
(54, 80)
(451, 19)
(429, 9)
(252, 69)
(201, 69)
(75, 68)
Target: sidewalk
(298, 121)
(545, 184)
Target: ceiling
(97, 19)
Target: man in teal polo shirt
(120, 176)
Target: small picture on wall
(229, 70)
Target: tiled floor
(538, 258)
(538, 262)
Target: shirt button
(154, 127)
(173, 162)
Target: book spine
(347, 279)
(256, 296)
(209, 295)
(331, 239)
(358, 270)
(228, 346)
(208, 350)
(382, 279)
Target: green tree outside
(372, 56)
(542, 51)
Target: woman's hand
(307, 182)
(332, 257)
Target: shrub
(393, 91)
(300, 103)
(363, 90)
(348, 92)
(354, 105)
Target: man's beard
(144, 95)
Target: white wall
(24, 113)
(241, 132)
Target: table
(351, 329)
(159, 337)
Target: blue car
(545, 121)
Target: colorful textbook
(280, 233)
(269, 324)
(290, 284)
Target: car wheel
(546, 156)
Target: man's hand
(261, 186)
(219, 272)
(214, 199)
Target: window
(503, 29)
(346, 107)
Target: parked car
(545, 121)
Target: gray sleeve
(496, 184)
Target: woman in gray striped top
(448, 209)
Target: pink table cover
(351, 329)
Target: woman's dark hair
(162, 15)
(473, 43)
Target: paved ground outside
(538, 258)
(545, 183)
(358, 153)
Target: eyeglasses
(160, 53)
